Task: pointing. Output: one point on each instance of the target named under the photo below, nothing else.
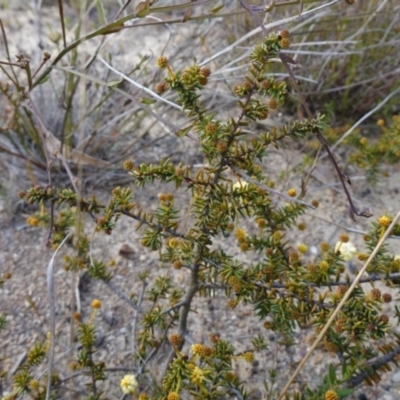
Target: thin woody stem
(366, 212)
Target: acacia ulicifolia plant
(286, 289)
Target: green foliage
(371, 150)
(381, 147)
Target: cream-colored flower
(129, 384)
(346, 250)
(239, 185)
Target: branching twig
(366, 212)
(61, 11)
(185, 308)
(358, 379)
(122, 296)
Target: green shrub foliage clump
(231, 198)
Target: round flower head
(173, 396)
(129, 384)
(381, 122)
(384, 221)
(239, 185)
(331, 395)
(96, 303)
(346, 250)
(197, 348)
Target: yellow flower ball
(302, 248)
(96, 303)
(331, 395)
(384, 221)
(173, 396)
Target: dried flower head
(387, 297)
(324, 247)
(161, 87)
(244, 246)
(384, 318)
(284, 43)
(302, 226)
(339, 326)
(77, 316)
(232, 304)
(315, 203)
(293, 256)
(284, 33)
(177, 264)
(362, 256)
(330, 346)
(179, 171)
(205, 71)
(162, 62)
(211, 128)
(128, 165)
(272, 104)
(202, 80)
(341, 290)
(7, 276)
(214, 337)
(375, 294)
(34, 384)
(175, 339)
(265, 85)
(222, 146)
(208, 351)
(312, 270)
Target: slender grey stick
(52, 307)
